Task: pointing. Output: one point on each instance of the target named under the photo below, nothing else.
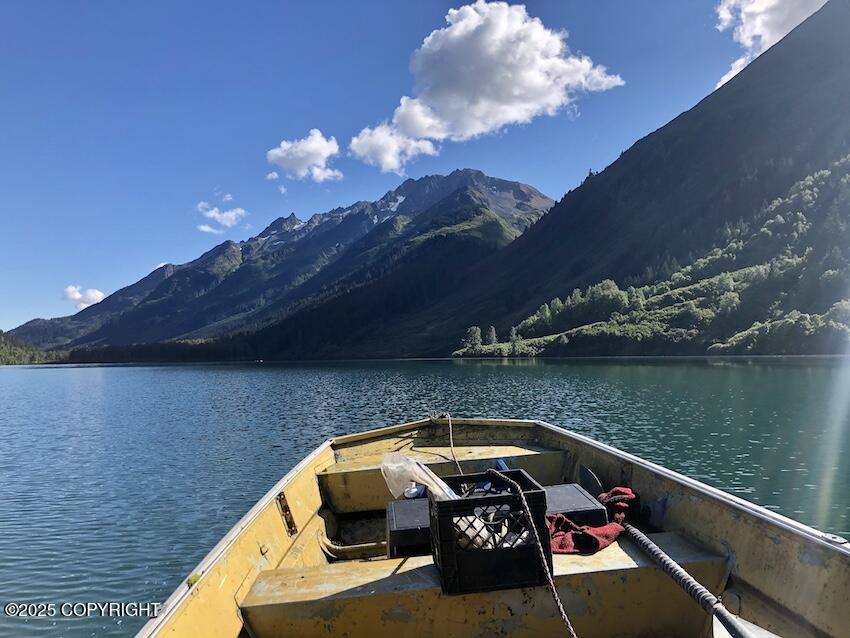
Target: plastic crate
(483, 542)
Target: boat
(310, 558)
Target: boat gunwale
(789, 524)
(182, 591)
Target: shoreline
(661, 359)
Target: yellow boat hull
(310, 559)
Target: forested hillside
(776, 282)
(14, 351)
(660, 204)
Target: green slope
(776, 284)
(783, 117)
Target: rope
(452, 443)
(540, 553)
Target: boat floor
(403, 596)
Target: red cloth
(617, 502)
(568, 538)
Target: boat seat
(356, 485)
(615, 592)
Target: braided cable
(708, 601)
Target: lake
(115, 481)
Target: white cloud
(491, 67)
(282, 189)
(759, 24)
(385, 146)
(82, 298)
(271, 176)
(226, 218)
(206, 228)
(307, 157)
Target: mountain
(776, 284)
(746, 189)
(666, 199)
(56, 333)
(247, 285)
(380, 282)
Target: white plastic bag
(399, 470)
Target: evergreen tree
(472, 340)
(556, 306)
(545, 315)
(490, 338)
(636, 298)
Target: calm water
(116, 481)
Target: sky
(137, 134)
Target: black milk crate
(483, 542)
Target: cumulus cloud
(226, 218)
(759, 24)
(389, 148)
(82, 298)
(307, 157)
(271, 176)
(282, 189)
(227, 197)
(491, 67)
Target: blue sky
(118, 119)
